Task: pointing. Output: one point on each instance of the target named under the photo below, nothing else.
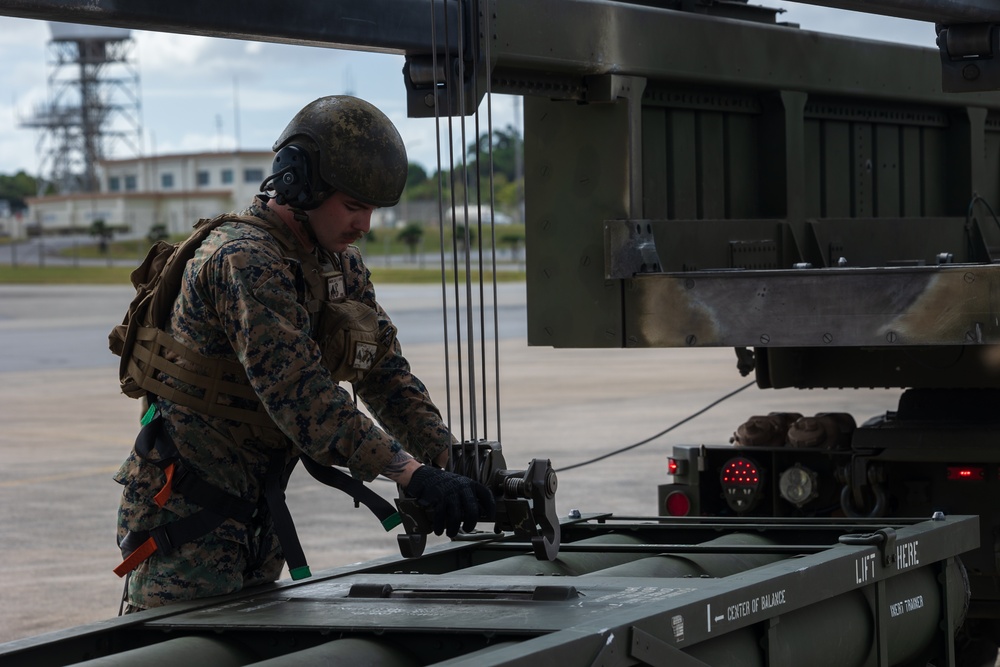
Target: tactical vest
(347, 333)
(346, 330)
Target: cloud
(856, 24)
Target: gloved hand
(455, 500)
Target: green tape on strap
(392, 521)
(300, 573)
(148, 417)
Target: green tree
(428, 188)
(507, 144)
(17, 188)
(514, 239)
(460, 233)
(505, 158)
(507, 196)
(157, 232)
(100, 230)
(416, 175)
(411, 235)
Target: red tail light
(970, 473)
(677, 504)
(676, 466)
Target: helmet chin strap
(302, 217)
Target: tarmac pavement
(65, 428)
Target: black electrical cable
(972, 202)
(661, 433)
(968, 222)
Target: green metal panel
(862, 168)
(934, 168)
(569, 301)
(709, 244)
(683, 162)
(793, 107)
(742, 197)
(813, 173)
(975, 143)
(836, 160)
(654, 162)
(872, 242)
(965, 163)
(887, 176)
(776, 132)
(711, 165)
(990, 187)
(909, 164)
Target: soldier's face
(340, 221)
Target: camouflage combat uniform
(244, 298)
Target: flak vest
(347, 333)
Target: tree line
(17, 188)
(472, 174)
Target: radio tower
(93, 103)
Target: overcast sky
(191, 87)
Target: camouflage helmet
(353, 147)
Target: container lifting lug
(884, 539)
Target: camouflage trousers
(207, 566)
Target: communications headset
(291, 178)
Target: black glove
(454, 500)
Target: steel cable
(661, 433)
(465, 353)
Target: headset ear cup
(291, 176)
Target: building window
(131, 184)
(253, 175)
(167, 180)
(114, 184)
(227, 176)
(202, 178)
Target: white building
(174, 190)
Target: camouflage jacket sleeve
(397, 398)
(255, 293)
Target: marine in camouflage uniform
(244, 298)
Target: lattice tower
(94, 104)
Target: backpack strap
(387, 514)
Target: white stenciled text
(755, 604)
(907, 555)
(908, 605)
(864, 569)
